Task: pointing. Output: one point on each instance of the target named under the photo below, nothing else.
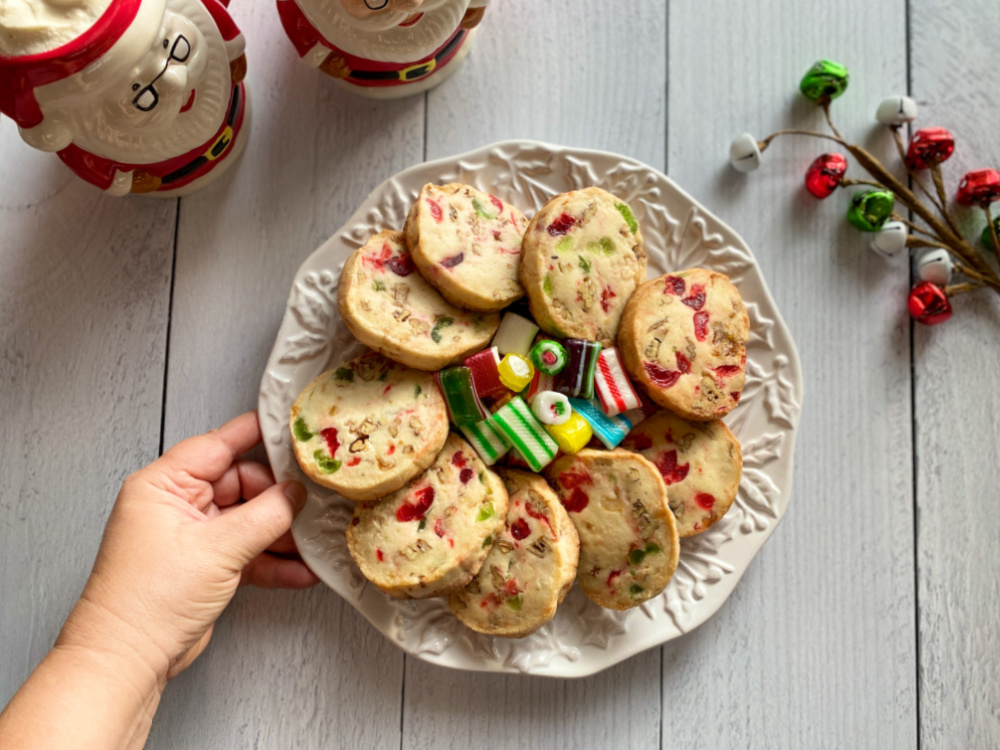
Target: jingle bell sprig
(873, 209)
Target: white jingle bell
(744, 153)
(936, 266)
(896, 110)
(890, 240)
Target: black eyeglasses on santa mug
(146, 98)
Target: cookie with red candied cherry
(628, 537)
(581, 259)
(431, 537)
(467, 244)
(700, 462)
(531, 567)
(683, 339)
(368, 426)
(388, 306)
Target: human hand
(179, 542)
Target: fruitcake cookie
(628, 537)
(368, 427)
(683, 337)
(582, 257)
(389, 307)
(467, 244)
(432, 536)
(700, 463)
(531, 567)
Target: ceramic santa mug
(141, 96)
(383, 48)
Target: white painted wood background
(870, 620)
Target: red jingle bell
(928, 304)
(979, 188)
(929, 147)
(823, 175)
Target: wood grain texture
(283, 668)
(572, 72)
(84, 288)
(556, 71)
(816, 646)
(957, 403)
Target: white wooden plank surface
(596, 92)
(284, 669)
(952, 47)
(84, 286)
(816, 646)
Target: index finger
(208, 456)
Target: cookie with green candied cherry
(467, 244)
(628, 536)
(431, 537)
(581, 258)
(531, 567)
(389, 307)
(368, 426)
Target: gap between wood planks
(170, 317)
(913, 423)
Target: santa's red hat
(53, 51)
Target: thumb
(249, 529)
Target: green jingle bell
(825, 81)
(870, 209)
(986, 238)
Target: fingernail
(296, 492)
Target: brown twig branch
(953, 290)
(916, 228)
(762, 145)
(912, 241)
(849, 181)
(829, 120)
(942, 232)
(943, 196)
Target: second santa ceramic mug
(383, 48)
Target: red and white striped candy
(539, 383)
(612, 384)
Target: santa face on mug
(172, 99)
(383, 48)
(165, 78)
(379, 15)
(156, 110)
(369, 8)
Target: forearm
(87, 695)
(80, 699)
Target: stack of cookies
(499, 447)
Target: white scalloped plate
(679, 233)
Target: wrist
(95, 633)
(101, 699)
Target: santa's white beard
(380, 36)
(100, 129)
